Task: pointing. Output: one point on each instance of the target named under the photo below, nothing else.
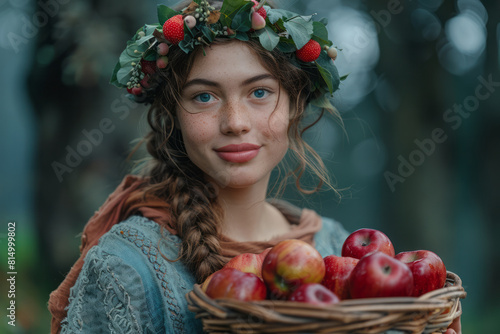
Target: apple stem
(386, 270)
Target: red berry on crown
(148, 66)
(309, 52)
(145, 81)
(173, 29)
(262, 12)
(135, 91)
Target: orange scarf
(127, 200)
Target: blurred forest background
(419, 156)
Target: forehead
(228, 60)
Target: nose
(235, 118)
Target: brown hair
(172, 176)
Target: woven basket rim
(430, 312)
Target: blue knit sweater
(126, 286)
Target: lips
(239, 153)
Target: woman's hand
(455, 327)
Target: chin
(240, 175)
(239, 183)
(241, 179)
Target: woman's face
(233, 116)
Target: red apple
(313, 293)
(365, 241)
(380, 275)
(429, 271)
(337, 272)
(205, 283)
(289, 264)
(232, 283)
(246, 262)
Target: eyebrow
(207, 82)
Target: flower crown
(301, 39)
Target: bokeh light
(465, 38)
(355, 33)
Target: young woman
(224, 112)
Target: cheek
(194, 133)
(277, 125)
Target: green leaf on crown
(275, 14)
(151, 55)
(268, 38)
(187, 44)
(189, 31)
(164, 13)
(144, 39)
(114, 79)
(242, 21)
(242, 36)
(320, 34)
(135, 50)
(279, 27)
(124, 74)
(230, 8)
(130, 55)
(125, 58)
(149, 29)
(286, 45)
(208, 33)
(300, 30)
(328, 72)
(335, 76)
(225, 20)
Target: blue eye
(260, 93)
(203, 97)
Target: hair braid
(192, 200)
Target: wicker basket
(429, 313)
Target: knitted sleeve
(108, 297)
(330, 238)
